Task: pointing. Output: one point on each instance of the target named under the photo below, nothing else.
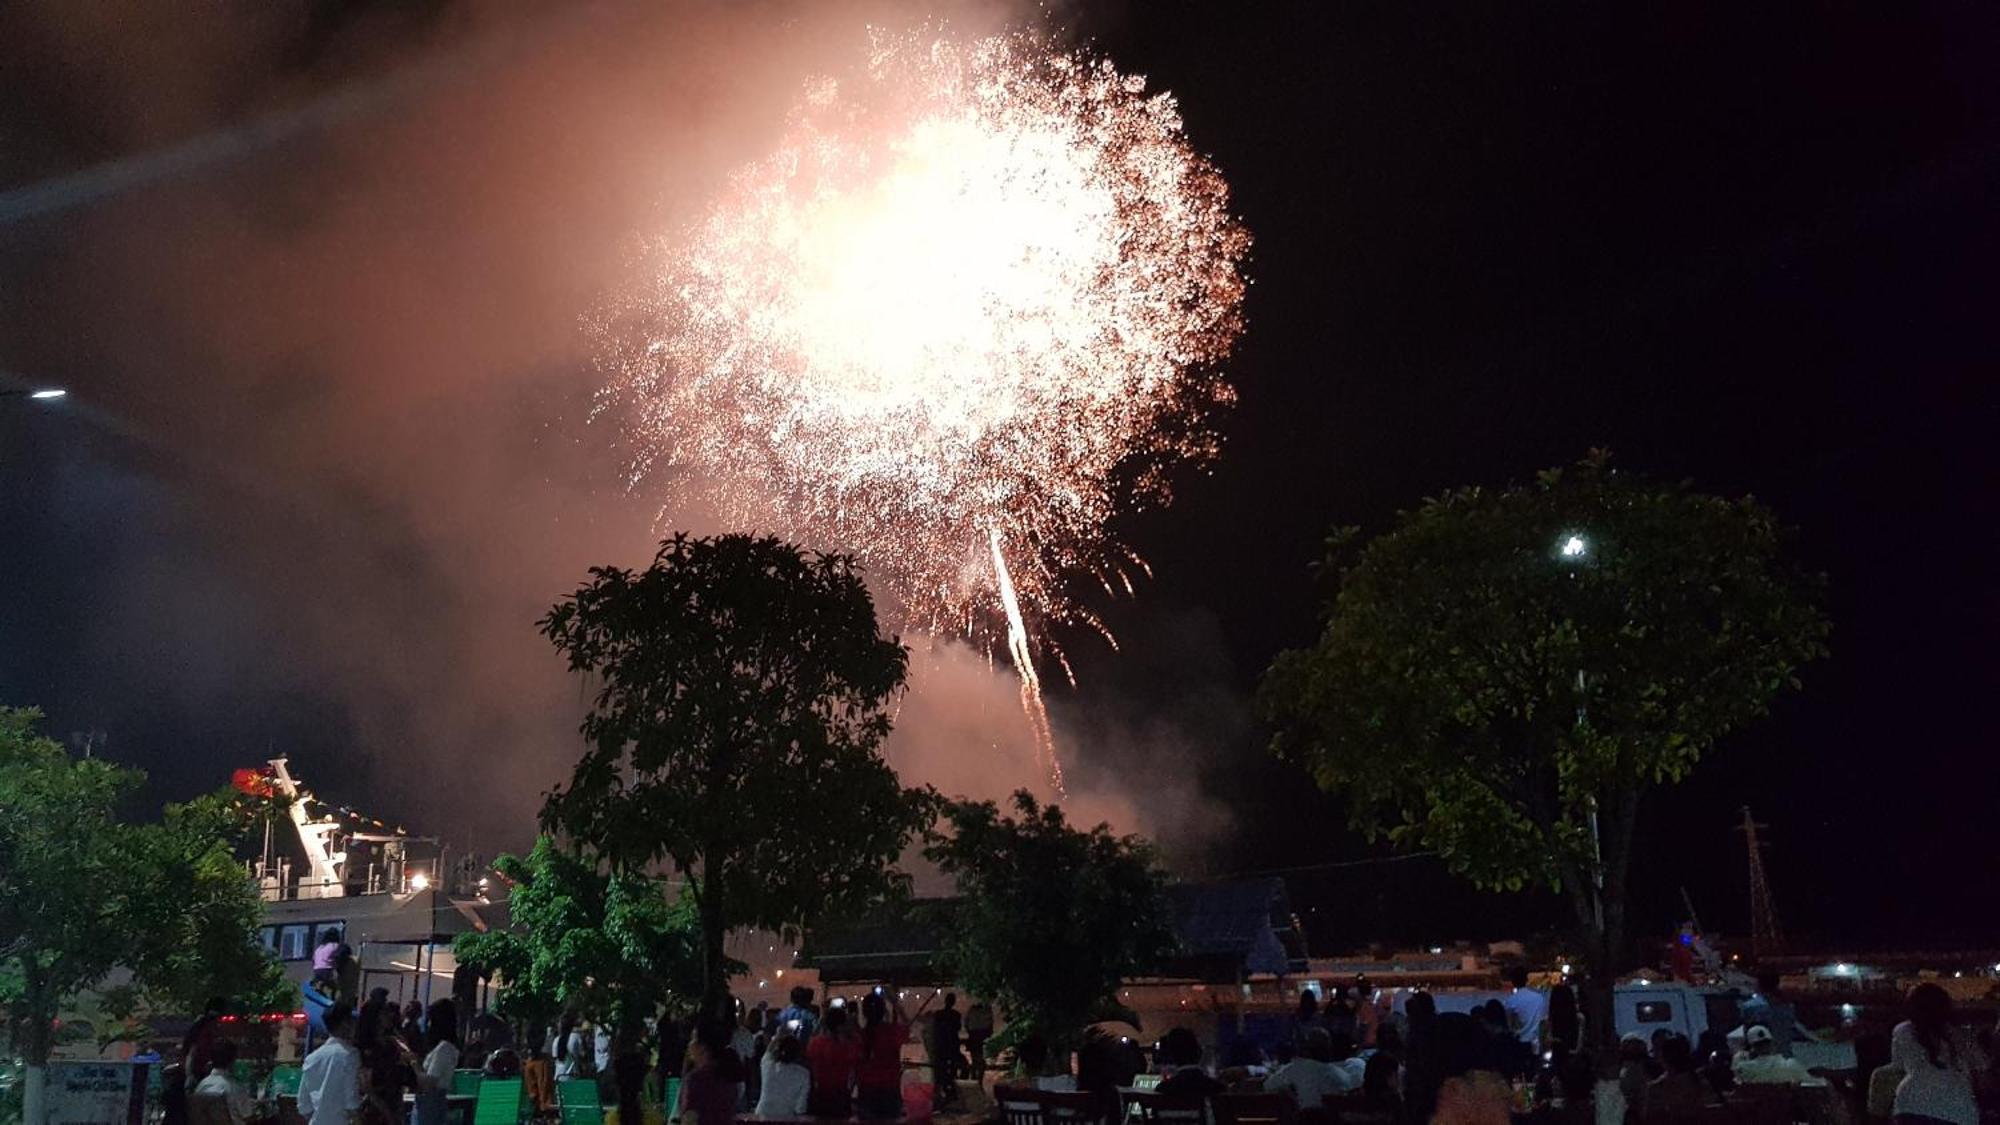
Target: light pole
(1574, 548)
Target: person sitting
(1767, 1007)
(1761, 1064)
(1031, 1064)
(1939, 1062)
(1382, 1085)
(219, 1099)
(1179, 1055)
(1679, 1089)
(502, 1063)
(1316, 1074)
(1242, 1062)
(787, 1085)
(1104, 1067)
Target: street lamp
(40, 393)
(1574, 547)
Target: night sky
(1747, 245)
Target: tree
(741, 703)
(83, 893)
(1503, 675)
(199, 914)
(1050, 919)
(608, 946)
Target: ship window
(1655, 1011)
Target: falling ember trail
(1024, 663)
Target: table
(461, 1104)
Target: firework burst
(968, 308)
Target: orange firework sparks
(971, 304)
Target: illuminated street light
(43, 393)
(1574, 547)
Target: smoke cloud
(317, 270)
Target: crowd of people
(1379, 1063)
(1526, 1054)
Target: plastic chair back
(1255, 1109)
(1156, 1108)
(1019, 1105)
(285, 1080)
(579, 1101)
(466, 1081)
(499, 1102)
(1065, 1108)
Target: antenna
(1766, 940)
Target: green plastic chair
(285, 1080)
(579, 1101)
(499, 1102)
(466, 1081)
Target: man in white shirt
(330, 1081)
(221, 1087)
(1526, 1008)
(1760, 1062)
(1317, 1074)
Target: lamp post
(1574, 548)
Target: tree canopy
(743, 690)
(83, 893)
(1050, 919)
(1505, 666)
(607, 945)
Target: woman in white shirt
(568, 1048)
(1938, 1062)
(434, 1078)
(787, 1082)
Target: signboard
(96, 1093)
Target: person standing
(830, 1055)
(387, 1063)
(326, 958)
(1938, 1061)
(222, 1086)
(198, 1045)
(330, 1080)
(946, 1027)
(434, 1077)
(714, 1081)
(787, 1083)
(568, 1048)
(978, 1029)
(878, 1072)
(1526, 1008)
(799, 1017)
